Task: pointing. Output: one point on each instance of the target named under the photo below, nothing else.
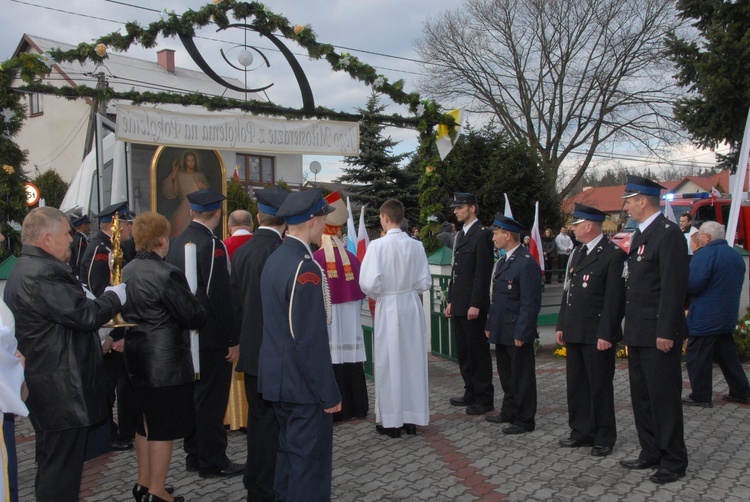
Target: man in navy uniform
(468, 301)
(589, 325)
(511, 325)
(295, 371)
(247, 265)
(206, 449)
(95, 273)
(81, 226)
(656, 273)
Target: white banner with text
(236, 132)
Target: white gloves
(119, 290)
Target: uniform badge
(307, 257)
(641, 249)
(585, 281)
(510, 284)
(309, 277)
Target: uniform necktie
(581, 255)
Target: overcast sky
(388, 27)
(380, 26)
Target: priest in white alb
(395, 272)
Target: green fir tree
(376, 173)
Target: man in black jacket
(56, 330)
(468, 301)
(219, 345)
(247, 265)
(589, 325)
(95, 273)
(82, 227)
(656, 272)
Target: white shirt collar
(272, 230)
(467, 226)
(643, 226)
(508, 254)
(594, 242)
(242, 231)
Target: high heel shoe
(154, 498)
(140, 491)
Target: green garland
(32, 67)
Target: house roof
(609, 199)
(125, 73)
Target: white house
(55, 133)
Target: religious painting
(176, 172)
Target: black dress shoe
(410, 429)
(516, 429)
(689, 401)
(638, 464)
(479, 409)
(733, 399)
(460, 401)
(393, 432)
(190, 467)
(122, 445)
(153, 498)
(497, 419)
(664, 475)
(601, 450)
(140, 491)
(575, 443)
(229, 471)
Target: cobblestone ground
(464, 458)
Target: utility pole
(98, 106)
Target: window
(35, 104)
(256, 170)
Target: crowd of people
(284, 302)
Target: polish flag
(535, 245)
(236, 174)
(362, 239)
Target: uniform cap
(119, 208)
(205, 200)
(582, 213)
(302, 206)
(77, 220)
(637, 185)
(506, 223)
(461, 198)
(270, 199)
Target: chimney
(165, 58)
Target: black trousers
(350, 378)
(59, 457)
(119, 387)
(262, 444)
(305, 458)
(656, 394)
(207, 448)
(474, 359)
(701, 352)
(517, 370)
(9, 433)
(591, 397)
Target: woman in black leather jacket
(157, 352)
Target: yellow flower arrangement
(298, 29)
(8, 169)
(101, 50)
(561, 352)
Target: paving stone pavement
(463, 458)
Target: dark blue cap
(636, 185)
(205, 200)
(506, 223)
(119, 208)
(304, 205)
(77, 220)
(270, 199)
(582, 212)
(461, 198)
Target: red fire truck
(703, 208)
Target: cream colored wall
(689, 187)
(54, 139)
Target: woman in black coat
(157, 353)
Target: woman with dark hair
(157, 353)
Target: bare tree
(567, 76)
